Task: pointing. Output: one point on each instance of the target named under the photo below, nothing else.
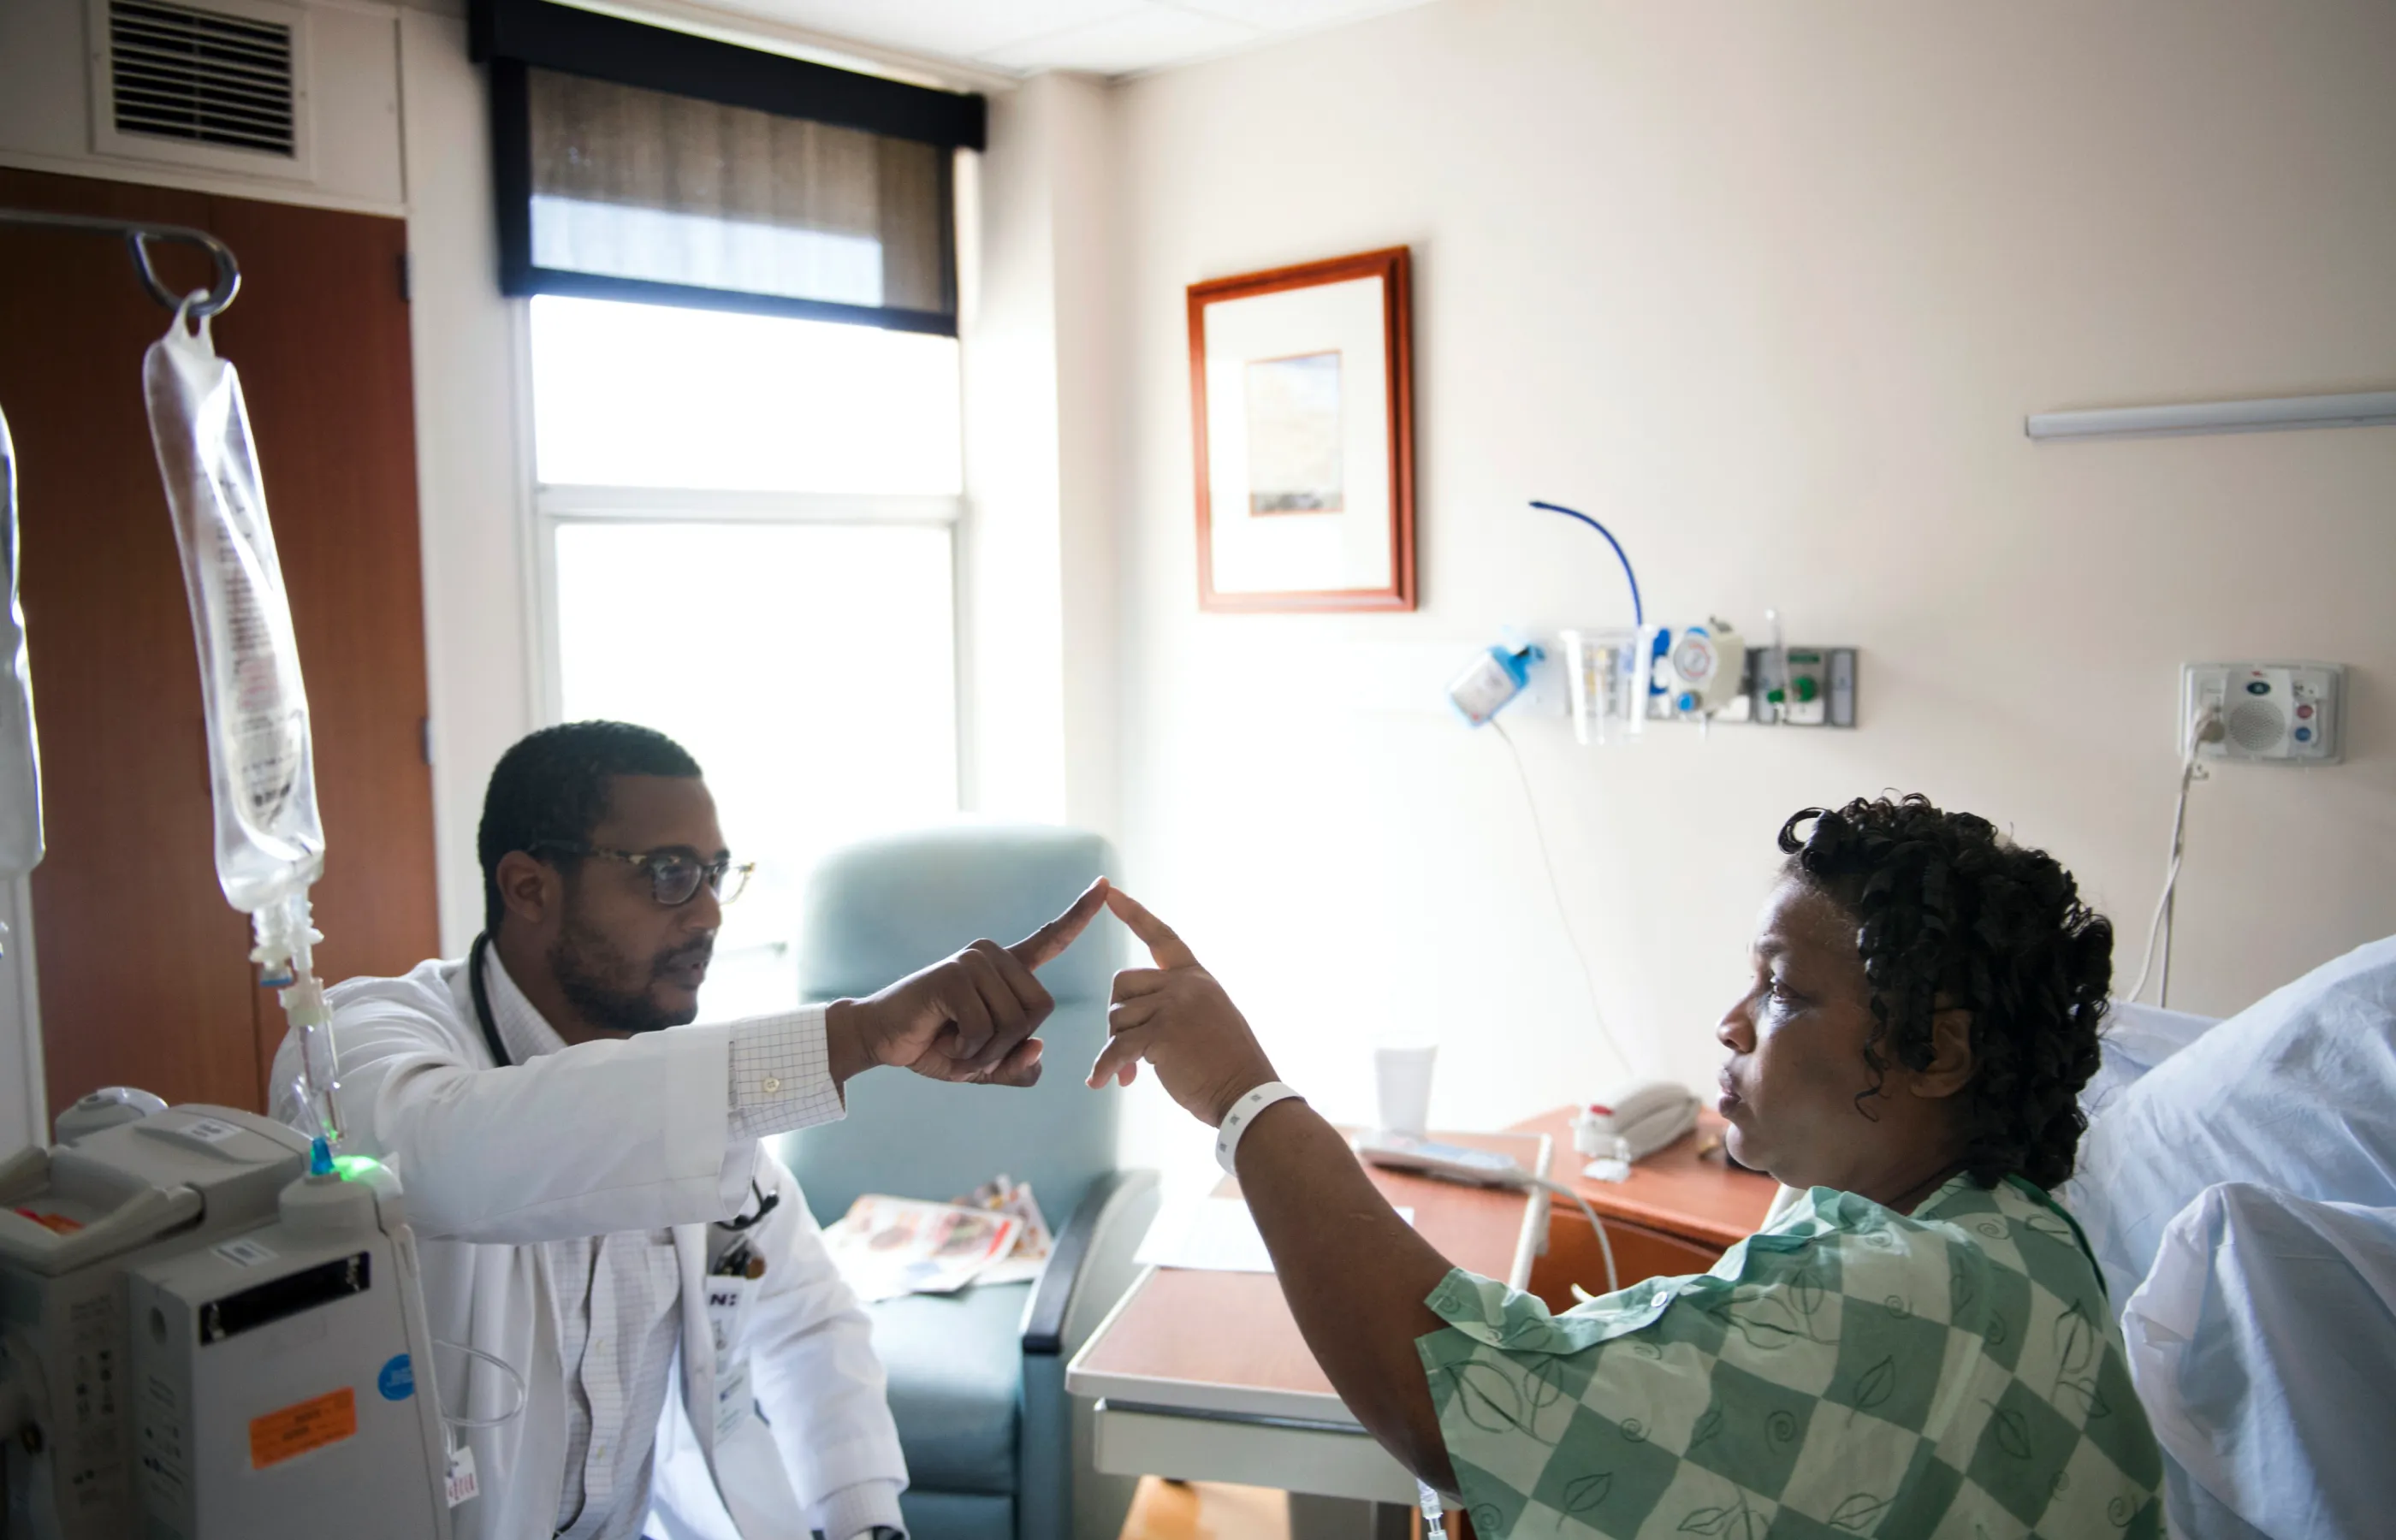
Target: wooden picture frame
(1302, 417)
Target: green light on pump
(351, 1167)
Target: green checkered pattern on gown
(1849, 1371)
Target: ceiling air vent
(202, 76)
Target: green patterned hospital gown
(1849, 1371)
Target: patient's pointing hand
(967, 1018)
(1176, 1016)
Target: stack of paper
(1210, 1235)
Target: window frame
(545, 508)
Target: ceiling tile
(1290, 16)
(1026, 37)
(1145, 39)
(947, 29)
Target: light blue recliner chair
(995, 1449)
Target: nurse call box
(2271, 713)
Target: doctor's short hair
(1949, 911)
(552, 785)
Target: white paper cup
(1403, 1078)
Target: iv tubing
(1638, 611)
(507, 1371)
(1434, 1528)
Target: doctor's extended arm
(1355, 1274)
(661, 1128)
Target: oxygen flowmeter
(1709, 664)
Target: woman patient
(1916, 1345)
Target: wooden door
(143, 967)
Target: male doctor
(595, 1206)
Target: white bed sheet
(2262, 1344)
(2238, 1184)
(2298, 1092)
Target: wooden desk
(1677, 1213)
(1203, 1376)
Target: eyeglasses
(675, 875)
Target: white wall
(470, 468)
(1769, 288)
(1089, 443)
(1038, 548)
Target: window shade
(782, 187)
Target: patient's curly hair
(1948, 910)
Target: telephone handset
(1643, 1116)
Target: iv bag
(20, 755)
(269, 841)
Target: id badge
(728, 1322)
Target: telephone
(1634, 1122)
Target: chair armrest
(1093, 1252)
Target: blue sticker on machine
(397, 1381)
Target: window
(747, 530)
(652, 396)
(645, 163)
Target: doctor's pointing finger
(966, 1018)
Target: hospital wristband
(1244, 1112)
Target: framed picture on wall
(1301, 393)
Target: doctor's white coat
(598, 1139)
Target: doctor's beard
(609, 988)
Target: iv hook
(137, 235)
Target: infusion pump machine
(200, 1340)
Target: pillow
(2136, 1038)
(2297, 1091)
(2258, 1344)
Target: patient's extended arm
(1355, 1274)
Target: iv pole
(137, 235)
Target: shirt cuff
(781, 1075)
(855, 1510)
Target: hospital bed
(2238, 1185)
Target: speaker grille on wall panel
(2256, 726)
(202, 76)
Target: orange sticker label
(297, 1429)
